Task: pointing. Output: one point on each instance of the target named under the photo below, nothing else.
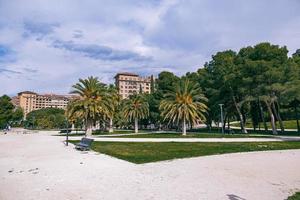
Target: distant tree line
(258, 84)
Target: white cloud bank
(45, 46)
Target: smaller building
(130, 83)
(30, 101)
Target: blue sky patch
(4, 50)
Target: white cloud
(177, 35)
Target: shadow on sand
(234, 197)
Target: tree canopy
(46, 118)
(258, 79)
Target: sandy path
(41, 167)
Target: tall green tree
(135, 108)
(226, 83)
(266, 70)
(291, 94)
(184, 105)
(165, 82)
(206, 81)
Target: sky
(47, 45)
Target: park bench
(84, 144)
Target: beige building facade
(129, 83)
(30, 101)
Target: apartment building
(30, 101)
(129, 83)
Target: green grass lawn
(296, 196)
(195, 135)
(289, 124)
(145, 152)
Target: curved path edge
(116, 139)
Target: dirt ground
(39, 166)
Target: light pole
(222, 119)
(67, 139)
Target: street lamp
(67, 139)
(222, 119)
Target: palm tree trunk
(209, 124)
(83, 125)
(274, 130)
(136, 125)
(97, 127)
(89, 128)
(277, 114)
(111, 129)
(184, 127)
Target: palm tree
(135, 108)
(184, 105)
(91, 104)
(114, 102)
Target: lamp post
(222, 119)
(67, 139)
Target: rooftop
(26, 92)
(126, 74)
(50, 95)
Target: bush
(47, 118)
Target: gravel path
(39, 166)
